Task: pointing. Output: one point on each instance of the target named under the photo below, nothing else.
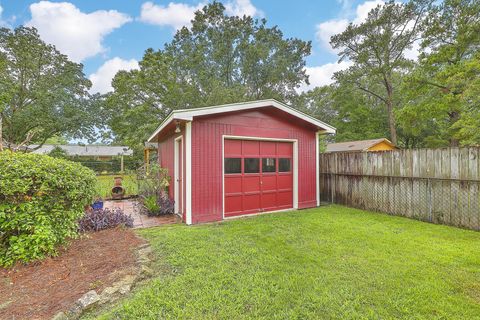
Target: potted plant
(98, 203)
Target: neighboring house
(381, 144)
(239, 159)
(97, 152)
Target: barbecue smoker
(118, 191)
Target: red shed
(239, 159)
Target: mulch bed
(42, 289)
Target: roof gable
(189, 114)
(361, 145)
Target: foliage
(43, 93)
(219, 59)
(41, 200)
(101, 219)
(58, 152)
(153, 181)
(377, 48)
(157, 204)
(325, 263)
(442, 106)
(153, 191)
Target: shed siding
(207, 157)
(382, 146)
(166, 159)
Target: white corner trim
(295, 174)
(188, 114)
(177, 166)
(188, 172)
(317, 164)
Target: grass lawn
(328, 263)
(105, 184)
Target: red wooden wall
(166, 158)
(207, 158)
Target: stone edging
(110, 294)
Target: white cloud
(322, 75)
(178, 15)
(327, 29)
(242, 8)
(77, 34)
(102, 78)
(175, 15)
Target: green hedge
(41, 200)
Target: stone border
(118, 289)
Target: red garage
(239, 159)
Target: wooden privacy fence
(436, 185)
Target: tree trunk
(391, 122)
(454, 117)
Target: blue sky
(109, 35)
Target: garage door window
(284, 165)
(252, 165)
(268, 165)
(233, 165)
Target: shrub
(157, 205)
(101, 219)
(41, 200)
(153, 191)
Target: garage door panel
(269, 201)
(284, 198)
(284, 181)
(268, 148)
(284, 149)
(233, 148)
(233, 184)
(251, 184)
(250, 148)
(251, 202)
(261, 184)
(269, 183)
(233, 203)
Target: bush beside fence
(436, 185)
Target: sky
(111, 35)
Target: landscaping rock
(88, 299)
(60, 316)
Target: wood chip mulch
(42, 289)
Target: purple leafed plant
(101, 219)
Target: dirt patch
(40, 290)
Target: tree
(377, 50)
(43, 94)
(219, 59)
(443, 91)
(355, 115)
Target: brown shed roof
(361, 145)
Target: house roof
(189, 114)
(86, 150)
(361, 145)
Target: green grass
(328, 263)
(105, 184)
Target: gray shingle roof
(85, 151)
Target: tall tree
(443, 89)
(43, 94)
(219, 59)
(377, 48)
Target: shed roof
(360, 145)
(85, 150)
(188, 114)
